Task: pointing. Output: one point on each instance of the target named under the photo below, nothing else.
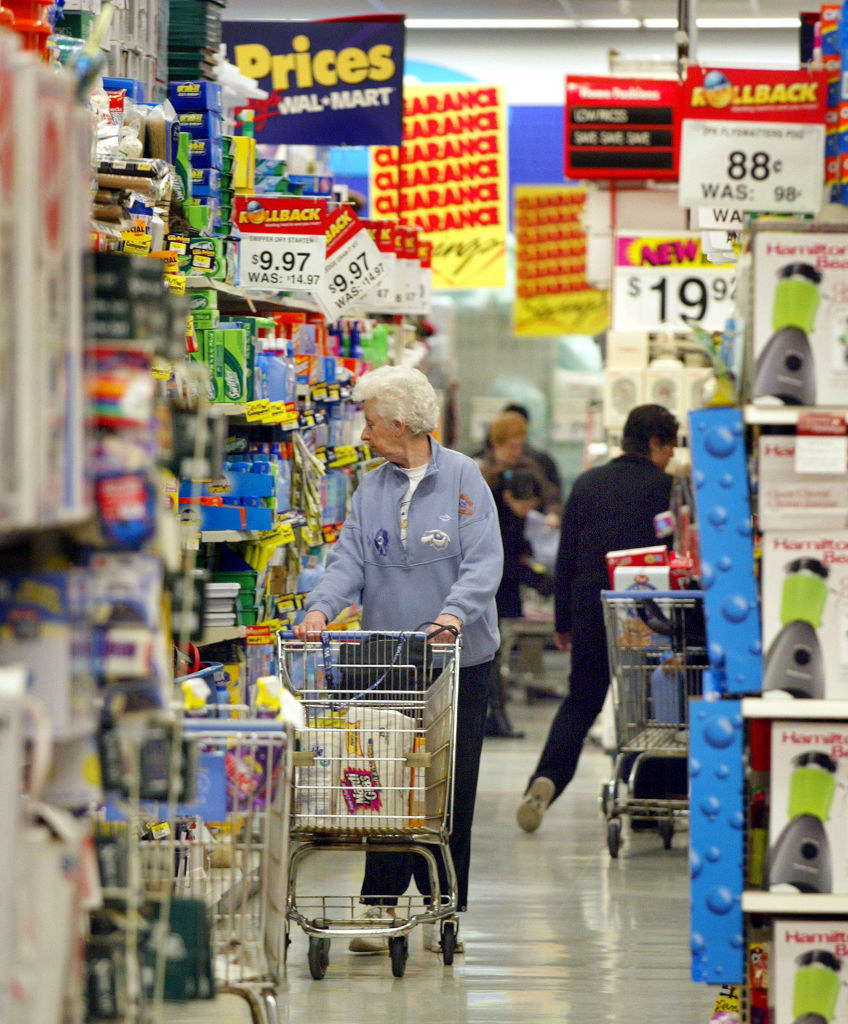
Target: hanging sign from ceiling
(621, 127)
(753, 139)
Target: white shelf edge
(226, 408)
(220, 634)
(754, 902)
(784, 415)
(792, 708)
(218, 536)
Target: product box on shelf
(799, 318)
(808, 801)
(804, 613)
(807, 969)
(789, 500)
(201, 95)
(623, 389)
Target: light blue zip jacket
(452, 563)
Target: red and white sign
(282, 242)
(753, 139)
(821, 444)
(621, 127)
(354, 265)
(381, 299)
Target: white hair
(401, 393)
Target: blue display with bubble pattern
(722, 502)
(716, 841)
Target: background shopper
(610, 507)
(421, 544)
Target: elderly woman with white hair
(421, 544)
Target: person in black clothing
(609, 508)
(516, 492)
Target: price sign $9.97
(647, 298)
(293, 262)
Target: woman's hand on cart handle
(562, 641)
(313, 624)
(437, 634)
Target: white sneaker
(432, 935)
(532, 808)
(372, 943)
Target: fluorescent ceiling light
(491, 23)
(748, 22)
(610, 23)
(659, 22)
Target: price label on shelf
(354, 265)
(284, 262)
(282, 244)
(778, 168)
(662, 280)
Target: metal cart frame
(373, 771)
(657, 654)
(234, 865)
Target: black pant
(587, 687)
(389, 874)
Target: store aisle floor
(558, 931)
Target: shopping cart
(373, 771)
(657, 653)
(229, 850)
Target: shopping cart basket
(373, 770)
(229, 850)
(657, 653)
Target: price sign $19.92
(646, 298)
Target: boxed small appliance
(800, 318)
(789, 500)
(804, 613)
(808, 800)
(808, 966)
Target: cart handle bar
(224, 725)
(650, 595)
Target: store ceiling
(580, 10)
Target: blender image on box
(801, 856)
(785, 369)
(794, 660)
(816, 987)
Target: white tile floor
(557, 931)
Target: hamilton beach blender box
(809, 971)
(808, 801)
(805, 613)
(800, 317)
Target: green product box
(205, 319)
(214, 349)
(233, 384)
(77, 24)
(202, 299)
(211, 257)
(248, 325)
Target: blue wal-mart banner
(319, 73)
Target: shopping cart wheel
(399, 952)
(448, 942)
(614, 836)
(607, 797)
(666, 831)
(319, 956)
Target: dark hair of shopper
(645, 422)
(522, 484)
(517, 407)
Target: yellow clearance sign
(552, 295)
(449, 178)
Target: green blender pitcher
(816, 987)
(794, 660)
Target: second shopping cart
(656, 644)
(373, 772)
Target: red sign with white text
(621, 127)
(752, 94)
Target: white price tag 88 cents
(745, 165)
(290, 262)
